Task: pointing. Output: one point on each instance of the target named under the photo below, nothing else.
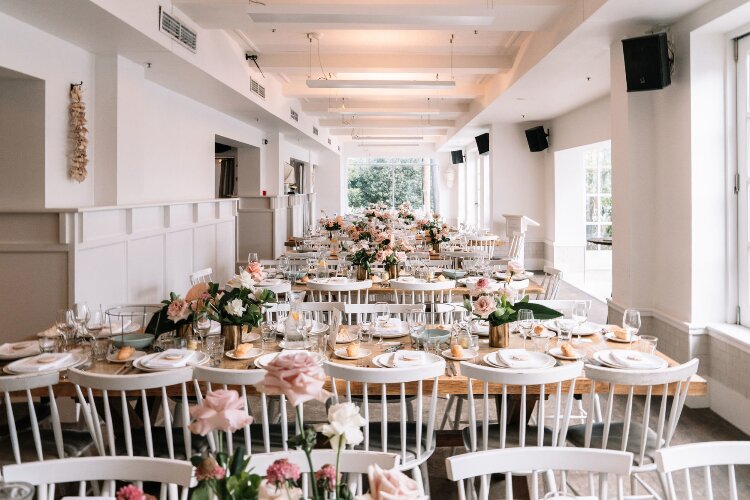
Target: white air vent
(294, 115)
(176, 30)
(329, 141)
(257, 88)
(315, 130)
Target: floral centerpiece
(405, 212)
(391, 253)
(434, 232)
(363, 256)
(331, 224)
(179, 311)
(501, 308)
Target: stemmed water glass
(417, 323)
(201, 325)
(283, 265)
(580, 315)
(526, 322)
(65, 323)
(82, 315)
(631, 322)
(382, 319)
(252, 257)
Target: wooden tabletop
(452, 382)
(383, 288)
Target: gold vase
(436, 247)
(362, 273)
(500, 336)
(232, 336)
(393, 271)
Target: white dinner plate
(385, 360)
(611, 336)
(341, 353)
(18, 350)
(262, 361)
(557, 352)
(584, 330)
(252, 353)
(317, 328)
(542, 361)
(605, 358)
(467, 355)
(112, 357)
(17, 367)
(200, 358)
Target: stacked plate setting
(263, 361)
(519, 359)
(47, 362)
(625, 359)
(405, 359)
(148, 363)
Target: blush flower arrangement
(241, 303)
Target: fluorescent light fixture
(380, 84)
(387, 138)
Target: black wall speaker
(647, 62)
(483, 143)
(457, 156)
(537, 139)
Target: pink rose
(483, 283)
(178, 310)
(326, 477)
(132, 492)
(297, 376)
(380, 256)
(484, 306)
(392, 485)
(515, 267)
(209, 469)
(255, 270)
(221, 410)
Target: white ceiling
(511, 60)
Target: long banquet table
(452, 382)
(383, 288)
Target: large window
(598, 195)
(743, 171)
(388, 180)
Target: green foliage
(387, 180)
(508, 313)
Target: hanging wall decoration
(78, 134)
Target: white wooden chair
(413, 441)
(550, 283)
(321, 310)
(441, 263)
(423, 293)
(201, 276)
(634, 433)
(356, 313)
(117, 387)
(536, 459)
(350, 292)
(353, 463)
(45, 475)
(30, 441)
(682, 458)
(515, 248)
(484, 244)
(260, 428)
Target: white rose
(235, 307)
(242, 280)
(344, 421)
(515, 267)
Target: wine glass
(96, 322)
(65, 323)
(82, 315)
(383, 318)
(252, 257)
(580, 315)
(283, 265)
(201, 324)
(525, 321)
(631, 322)
(417, 323)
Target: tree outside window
(598, 195)
(387, 180)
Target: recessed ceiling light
(379, 84)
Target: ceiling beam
(298, 62)
(301, 90)
(387, 132)
(323, 106)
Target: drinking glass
(82, 315)
(47, 344)
(525, 322)
(647, 343)
(215, 348)
(283, 265)
(580, 315)
(318, 343)
(96, 321)
(65, 324)
(417, 323)
(631, 322)
(267, 334)
(99, 348)
(365, 333)
(201, 324)
(252, 257)
(475, 343)
(540, 341)
(382, 320)
(566, 330)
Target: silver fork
(125, 368)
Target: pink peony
(178, 310)
(327, 476)
(131, 492)
(221, 410)
(515, 267)
(484, 306)
(281, 471)
(483, 283)
(297, 376)
(392, 485)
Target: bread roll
(568, 350)
(538, 329)
(352, 350)
(124, 353)
(457, 351)
(241, 350)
